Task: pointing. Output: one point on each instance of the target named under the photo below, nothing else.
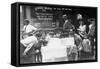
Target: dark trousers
(72, 54)
(38, 57)
(92, 44)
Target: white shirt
(91, 29)
(82, 28)
(90, 26)
(48, 37)
(29, 28)
(29, 40)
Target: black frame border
(15, 34)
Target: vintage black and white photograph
(57, 34)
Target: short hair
(38, 35)
(91, 20)
(27, 21)
(65, 16)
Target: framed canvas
(43, 34)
